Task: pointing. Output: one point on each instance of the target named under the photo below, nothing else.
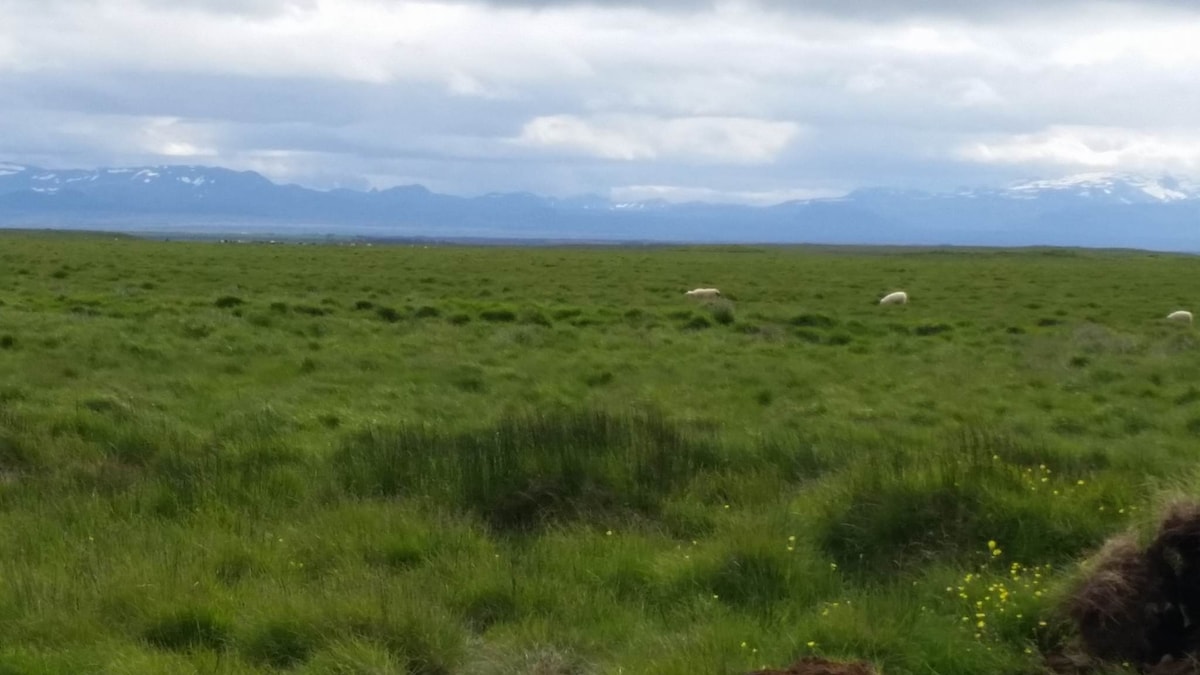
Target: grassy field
(398, 459)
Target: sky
(751, 101)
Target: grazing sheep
(703, 293)
(897, 298)
(1182, 316)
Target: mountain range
(1093, 210)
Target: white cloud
(1092, 148)
(630, 138)
(172, 137)
(973, 92)
(1153, 44)
(461, 84)
(921, 39)
(184, 149)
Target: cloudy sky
(740, 100)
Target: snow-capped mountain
(1124, 188)
(1109, 209)
(164, 186)
(16, 176)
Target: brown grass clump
(1118, 605)
(1175, 555)
(1142, 605)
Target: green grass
(351, 459)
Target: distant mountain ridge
(1096, 209)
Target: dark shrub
(401, 555)
(487, 607)
(281, 644)
(187, 630)
(310, 310)
(722, 313)
(1188, 397)
(929, 329)
(498, 315)
(812, 321)
(197, 331)
(234, 566)
(809, 336)
(598, 379)
(839, 339)
(16, 453)
(535, 316)
(227, 301)
(468, 378)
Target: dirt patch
(816, 666)
(1141, 605)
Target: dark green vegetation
(252, 458)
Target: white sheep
(1182, 316)
(703, 293)
(897, 298)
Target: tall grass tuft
(722, 312)
(902, 509)
(189, 629)
(530, 468)
(282, 643)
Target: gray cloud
(862, 10)
(245, 8)
(239, 7)
(730, 97)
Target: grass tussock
(530, 469)
(898, 511)
(189, 629)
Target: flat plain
(254, 458)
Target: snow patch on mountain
(1122, 187)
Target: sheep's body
(897, 298)
(703, 293)
(1182, 316)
